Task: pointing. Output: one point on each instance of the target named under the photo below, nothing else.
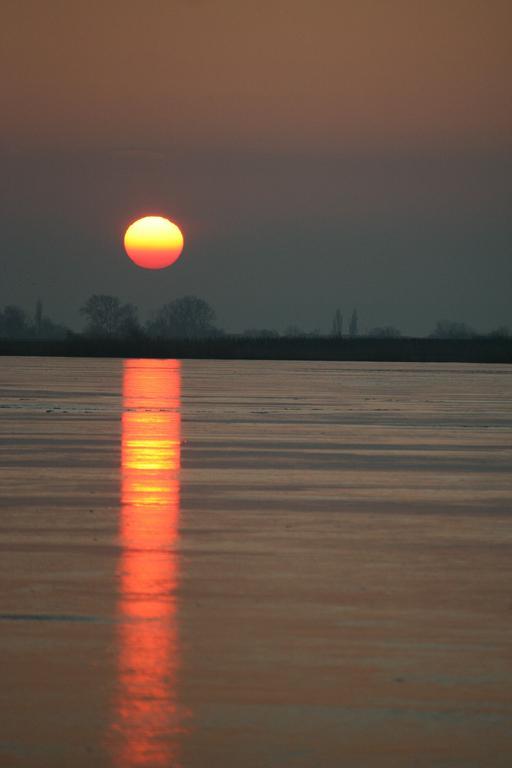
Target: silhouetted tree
(14, 323)
(447, 329)
(47, 329)
(294, 331)
(502, 332)
(337, 324)
(261, 333)
(384, 332)
(353, 327)
(108, 318)
(38, 318)
(185, 318)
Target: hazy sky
(317, 154)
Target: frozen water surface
(256, 564)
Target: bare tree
(384, 332)
(51, 330)
(14, 323)
(261, 333)
(185, 318)
(353, 328)
(337, 324)
(501, 332)
(108, 318)
(447, 329)
(38, 318)
(292, 331)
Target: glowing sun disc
(153, 242)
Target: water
(255, 564)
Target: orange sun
(153, 242)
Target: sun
(153, 242)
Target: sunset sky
(316, 155)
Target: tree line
(444, 329)
(190, 317)
(15, 323)
(186, 318)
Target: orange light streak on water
(146, 727)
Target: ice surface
(255, 564)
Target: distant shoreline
(363, 349)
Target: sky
(336, 153)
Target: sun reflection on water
(147, 719)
